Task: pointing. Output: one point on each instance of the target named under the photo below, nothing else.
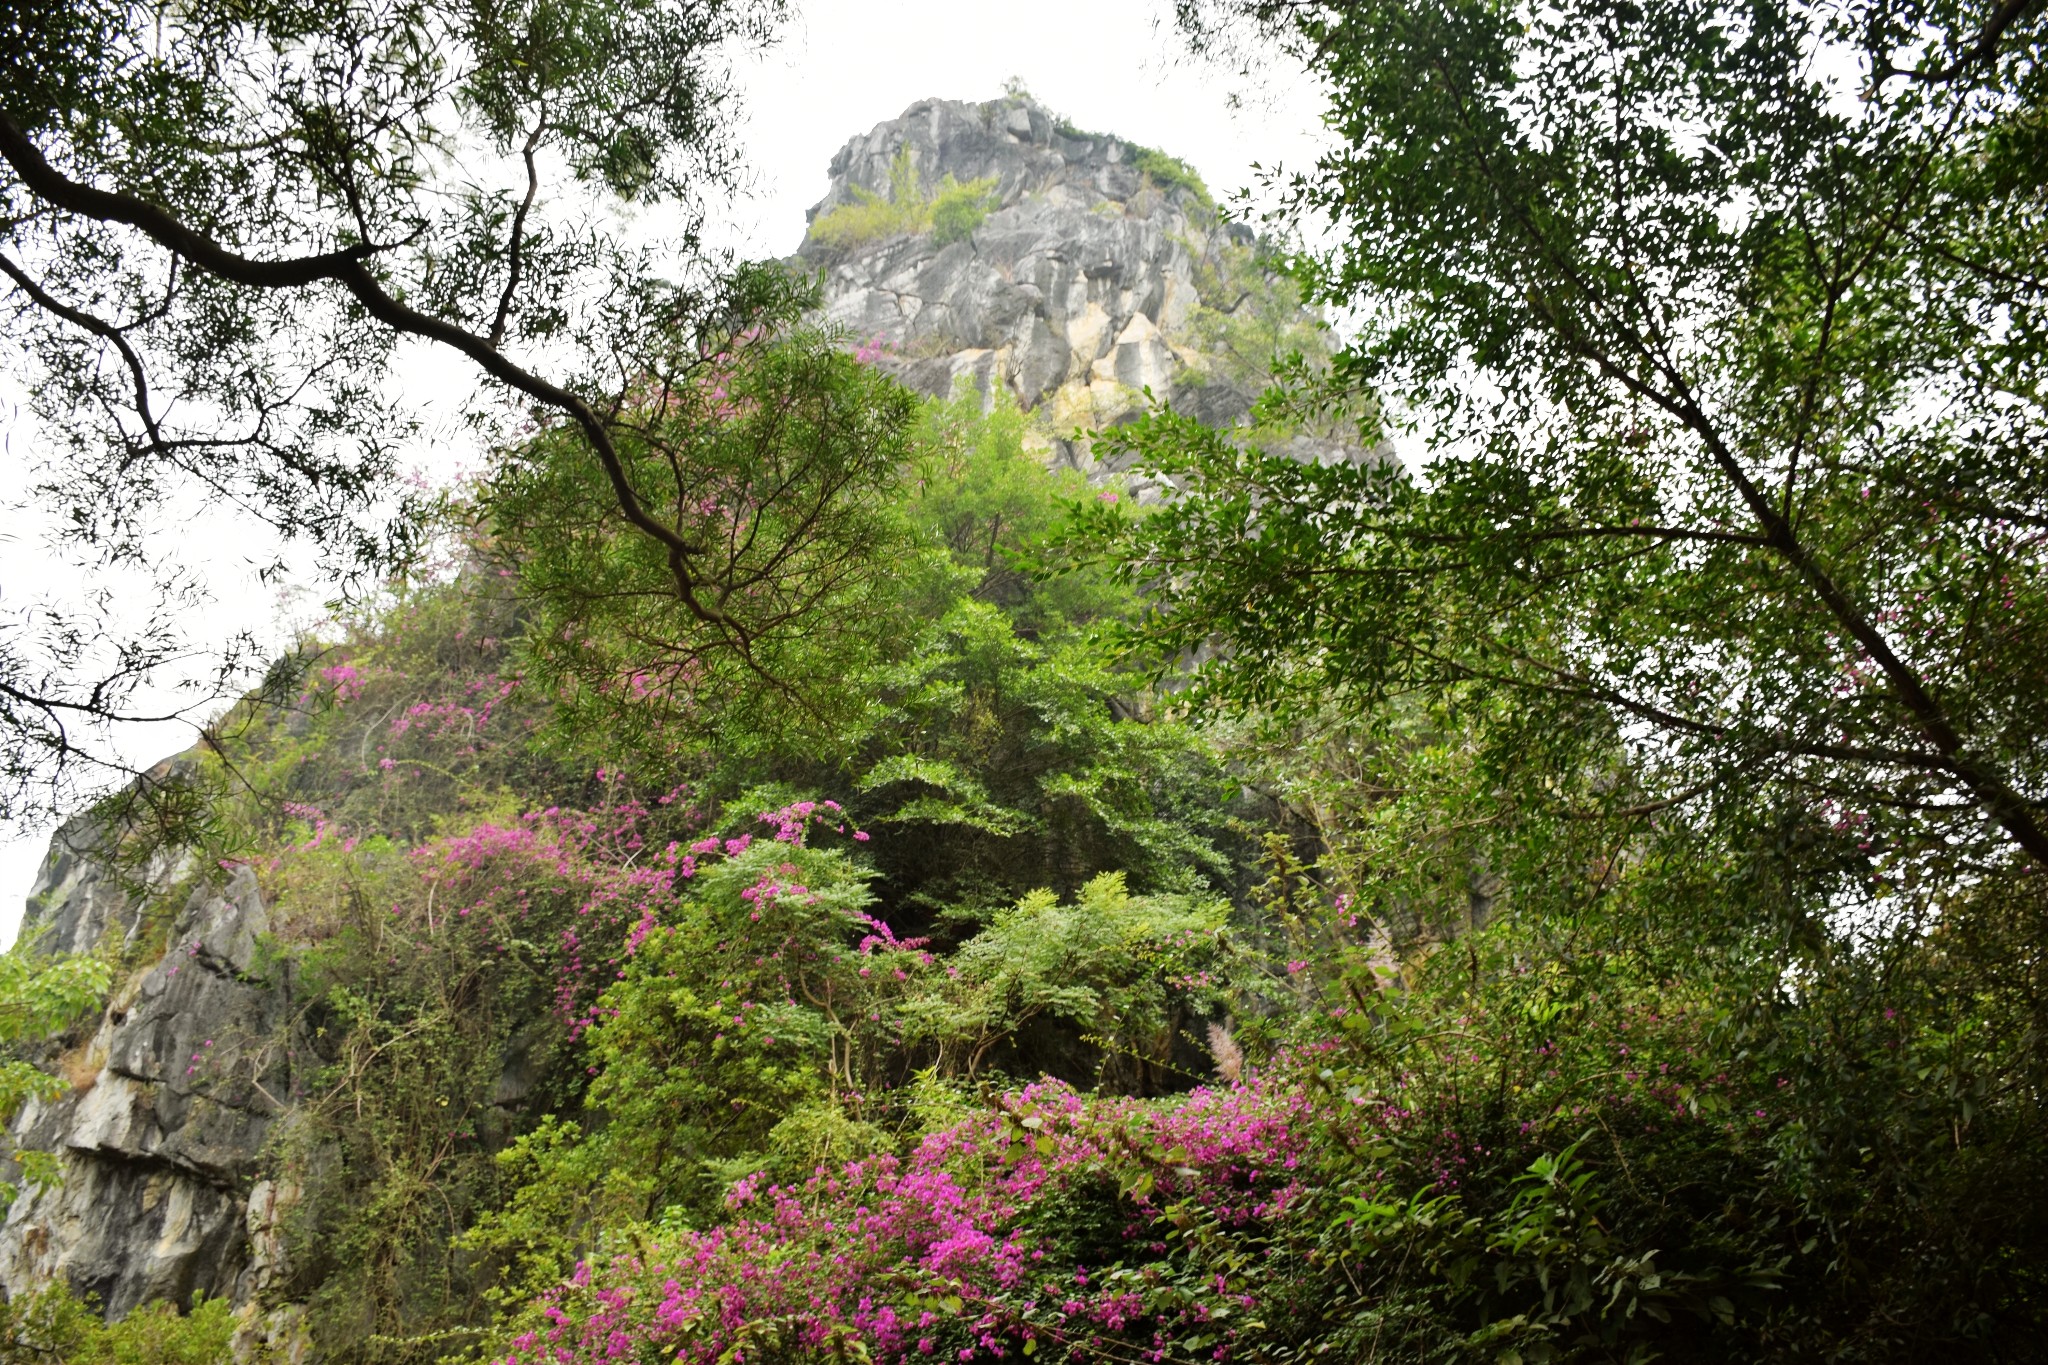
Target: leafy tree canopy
(1720, 329)
(219, 221)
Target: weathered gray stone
(1041, 362)
(126, 1231)
(173, 1095)
(78, 902)
(1076, 294)
(1072, 282)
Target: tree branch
(100, 328)
(1983, 50)
(348, 269)
(516, 240)
(2005, 805)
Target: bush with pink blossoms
(771, 1023)
(446, 950)
(739, 1019)
(432, 980)
(1561, 1166)
(1052, 1223)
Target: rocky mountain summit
(1086, 271)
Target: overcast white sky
(1110, 65)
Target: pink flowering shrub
(347, 681)
(1048, 1224)
(427, 965)
(1436, 1176)
(773, 1024)
(749, 1002)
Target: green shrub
(949, 213)
(957, 209)
(1108, 970)
(1171, 173)
(55, 1324)
(870, 218)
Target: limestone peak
(994, 243)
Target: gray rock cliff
(171, 1092)
(1100, 271)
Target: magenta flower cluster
(504, 881)
(954, 1251)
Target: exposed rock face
(1077, 293)
(77, 901)
(172, 1097)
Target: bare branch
(350, 270)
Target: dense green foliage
(1727, 384)
(1696, 656)
(1574, 897)
(217, 221)
(1250, 317)
(38, 996)
(787, 505)
(1171, 173)
(1606, 1156)
(557, 983)
(52, 1325)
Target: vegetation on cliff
(1575, 897)
(949, 210)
